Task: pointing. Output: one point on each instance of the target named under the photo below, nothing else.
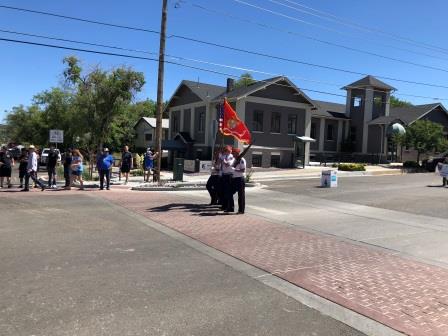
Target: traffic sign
(56, 136)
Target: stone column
(339, 141)
(322, 134)
(368, 110)
(307, 134)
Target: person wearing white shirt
(226, 179)
(31, 170)
(239, 180)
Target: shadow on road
(196, 209)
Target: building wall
(266, 137)
(374, 142)
(141, 129)
(314, 146)
(331, 145)
(187, 120)
(198, 136)
(357, 117)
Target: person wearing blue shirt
(148, 163)
(104, 165)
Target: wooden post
(159, 110)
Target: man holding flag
(230, 124)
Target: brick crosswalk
(406, 295)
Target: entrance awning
(305, 139)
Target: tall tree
(424, 136)
(101, 97)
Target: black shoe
(25, 190)
(9, 186)
(101, 188)
(240, 212)
(42, 188)
(107, 188)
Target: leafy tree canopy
(245, 79)
(396, 102)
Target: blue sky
(28, 70)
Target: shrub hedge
(352, 167)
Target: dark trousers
(33, 176)
(444, 181)
(51, 176)
(212, 187)
(227, 189)
(104, 173)
(67, 177)
(239, 186)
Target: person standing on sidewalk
(6, 161)
(104, 165)
(126, 163)
(23, 164)
(148, 163)
(77, 168)
(227, 172)
(52, 160)
(239, 180)
(31, 170)
(67, 162)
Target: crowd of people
(227, 178)
(73, 166)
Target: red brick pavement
(406, 295)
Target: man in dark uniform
(126, 163)
(6, 161)
(52, 161)
(67, 162)
(213, 181)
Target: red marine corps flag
(230, 124)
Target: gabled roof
(409, 114)
(329, 110)
(369, 81)
(259, 85)
(152, 122)
(184, 137)
(383, 120)
(204, 91)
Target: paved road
(412, 193)
(71, 264)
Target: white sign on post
(56, 136)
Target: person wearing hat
(104, 165)
(239, 180)
(148, 163)
(6, 161)
(31, 170)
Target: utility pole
(159, 110)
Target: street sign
(56, 136)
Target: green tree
(424, 136)
(101, 97)
(123, 127)
(396, 102)
(245, 79)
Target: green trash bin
(178, 169)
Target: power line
(227, 47)
(197, 68)
(79, 19)
(147, 59)
(311, 38)
(333, 30)
(334, 18)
